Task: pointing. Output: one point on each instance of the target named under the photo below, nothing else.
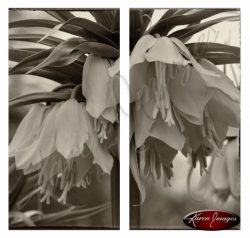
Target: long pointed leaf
(31, 60)
(17, 55)
(39, 97)
(147, 15)
(61, 15)
(164, 26)
(199, 48)
(94, 30)
(136, 174)
(63, 50)
(136, 26)
(222, 58)
(77, 31)
(191, 30)
(104, 17)
(49, 41)
(99, 49)
(52, 74)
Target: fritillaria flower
(41, 145)
(167, 84)
(221, 112)
(28, 129)
(188, 105)
(75, 172)
(101, 89)
(221, 185)
(60, 134)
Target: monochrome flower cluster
(177, 104)
(64, 140)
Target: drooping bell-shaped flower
(101, 89)
(42, 146)
(165, 79)
(222, 182)
(177, 100)
(155, 59)
(66, 129)
(71, 129)
(221, 112)
(60, 140)
(29, 128)
(71, 173)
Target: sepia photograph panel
(184, 118)
(64, 118)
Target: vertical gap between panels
(124, 118)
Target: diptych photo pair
(184, 119)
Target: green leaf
(92, 30)
(69, 215)
(20, 216)
(169, 13)
(15, 191)
(82, 213)
(164, 26)
(78, 31)
(136, 174)
(174, 12)
(104, 17)
(191, 30)
(49, 41)
(17, 55)
(98, 49)
(147, 15)
(51, 32)
(199, 48)
(62, 55)
(61, 15)
(136, 26)
(215, 52)
(51, 73)
(69, 73)
(31, 60)
(221, 58)
(39, 97)
(84, 216)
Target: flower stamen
(100, 126)
(162, 103)
(63, 198)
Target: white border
(124, 6)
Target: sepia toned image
(184, 118)
(64, 118)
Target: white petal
(42, 146)
(140, 49)
(100, 154)
(115, 68)
(100, 90)
(71, 129)
(221, 82)
(28, 129)
(165, 51)
(110, 114)
(184, 50)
